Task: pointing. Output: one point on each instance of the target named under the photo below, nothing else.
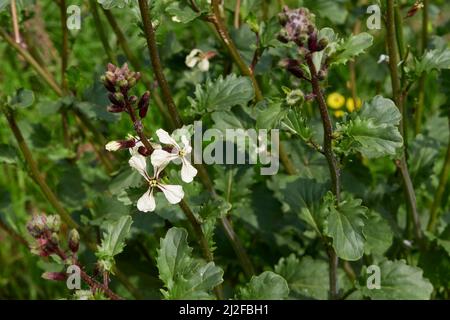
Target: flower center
(153, 182)
(181, 153)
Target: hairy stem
(443, 179)
(398, 98)
(156, 62)
(332, 165)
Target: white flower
(383, 58)
(161, 158)
(146, 203)
(113, 146)
(198, 58)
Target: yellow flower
(339, 113)
(335, 100)
(351, 104)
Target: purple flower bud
(120, 144)
(143, 104)
(297, 24)
(144, 151)
(115, 108)
(74, 240)
(54, 276)
(293, 66)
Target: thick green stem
(398, 98)
(332, 166)
(443, 179)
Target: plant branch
(398, 98)
(156, 62)
(332, 165)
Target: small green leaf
(222, 94)
(266, 286)
(24, 98)
(373, 131)
(307, 278)
(345, 224)
(113, 241)
(399, 281)
(433, 60)
(183, 276)
(350, 48)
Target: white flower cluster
(160, 158)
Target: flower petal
(203, 65)
(160, 158)
(139, 163)
(192, 59)
(187, 144)
(147, 203)
(188, 172)
(165, 138)
(173, 193)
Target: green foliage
(266, 286)
(183, 276)
(305, 277)
(373, 131)
(400, 281)
(345, 225)
(113, 241)
(432, 60)
(222, 94)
